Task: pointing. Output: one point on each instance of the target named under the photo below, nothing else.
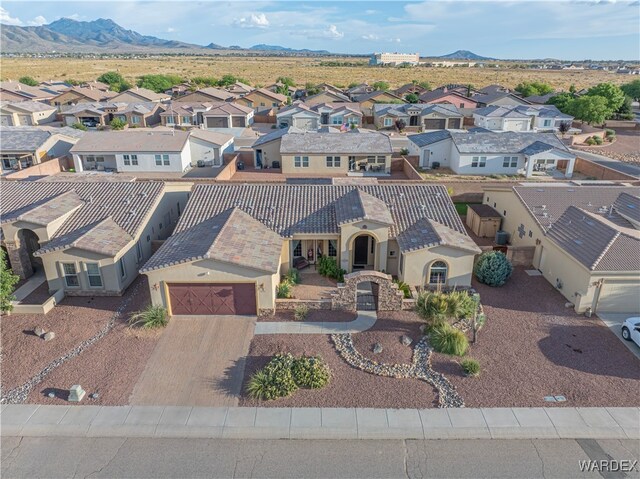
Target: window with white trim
(93, 273)
(478, 161)
(337, 120)
(165, 160)
(388, 121)
(134, 160)
(301, 161)
(438, 272)
(158, 160)
(510, 161)
(122, 268)
(135, 119)
(70, 275)
(126, 159)
(382, 160)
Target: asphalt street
(61, 457)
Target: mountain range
(106, 36)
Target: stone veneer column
(19, 258)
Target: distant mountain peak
(463, 55)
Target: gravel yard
(532, 346)
(313, 316)
(111, 366)
(38, 295)
(349, 387)
(313, 286)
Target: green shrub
(8, 282)
(437, 307)
(27, 80)
(310, 372)
(404, 151)
(598, 140)
(493, 268)
(300, 312)
(404, 287)
(79, 126)
(448, 340)
(328, 266)
(283, 290)
(609, 132)
(293, 276)
(590, 141)
(149, 318)
(471, 367)
(118, 124)
(461, 304)
(284, 374)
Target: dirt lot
(349, 387)
(532, 346)
(264, 70)
(110, 367)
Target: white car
(631, 330)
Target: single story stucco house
(585, 239)
(90, 238)
(234, 241)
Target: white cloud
(171, 30)
(370, 12)
(39, 20)
(370, 37)
(331, 33)
(75, 16)
(255, 20)
(7, 19)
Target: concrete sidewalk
(364, 321)
(319, 423)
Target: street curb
(32, 420)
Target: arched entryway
(363, 252)
(29, 242)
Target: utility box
(483, 220)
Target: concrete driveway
(614, 322)
(199, 361)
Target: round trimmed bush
(448, 340)
(275, 380)
(471, 367)
(493, 268)
(310, 372)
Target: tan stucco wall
(256, 100)
(557, 265)
(211, 271)
(349, 232)
(416, 265)
(270, 152)
(318, 163)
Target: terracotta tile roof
(596, 243)
(299, 209)
(127, 204)
(546, 203)
(50, 210)
(628, 205)
(426, 233)
(357, 205)
(231, 236)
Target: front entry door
(360, 253)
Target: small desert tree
(118, 124)
(380, 86)
(493, 268)
(7, 282)
(564, 127)
(412, 98)
(27, 80)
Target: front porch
(546, 163)
(313, 286)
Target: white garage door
(619, 297)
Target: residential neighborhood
(412, 264)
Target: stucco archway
(363, 251)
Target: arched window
(438, 273)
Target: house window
(371, 159)
(99, 159)
(186, 120)
(530, 234)
(337, 120)
(483, 162)
(301, 161)
(165, 160)
(274, 104)
(400, 263)
(547, 123)
(90, 159)
(70, 275)
(93, 272)
(158, 160)
(474, 162)
(297, 250)
(514, 161)
(333, 248)
(333, 162)
(438, 273)
(506, 161)
(135, 120)
(382, 160)
(329, 161)
(388, 121)
(139, 251)
(134, 160)
(127, 160)
(121, 268)
(171, 120)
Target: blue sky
(567, 29)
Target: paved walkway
(319, 423)
(364, 321)
(30, 286)
(199, 361)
